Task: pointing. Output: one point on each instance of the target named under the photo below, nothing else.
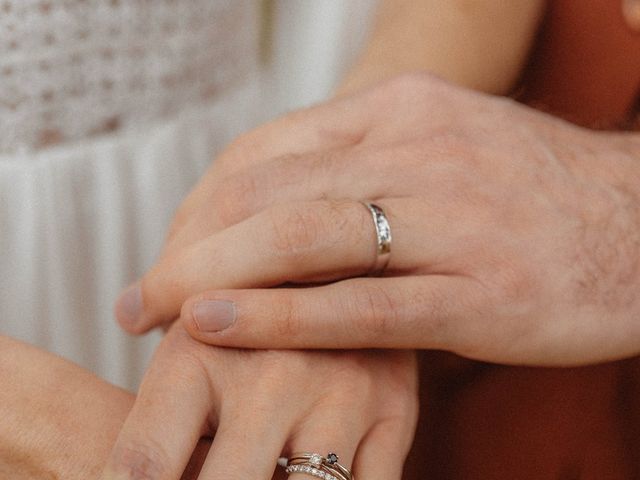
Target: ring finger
(303, 243)
(244, 448)
(322, 434)
(353, 173)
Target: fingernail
(129, 305)
(214, 315)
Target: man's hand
(516, 236)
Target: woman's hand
(56, 419)
(261, 404)
(516, 236)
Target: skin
(540, 251)
(261, 404)
(291, 182)
(425, 35)
(58, 421)
(516, 28)
(382, 62)
(405, 13)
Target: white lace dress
(109, 112)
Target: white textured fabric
(99, 149)
(79, 222)
(74, 68)
(84, 210)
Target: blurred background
(110, 111)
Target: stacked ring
(316, 465)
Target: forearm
(57, 421)
(480, 44)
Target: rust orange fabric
(486, 422)
(585, 66)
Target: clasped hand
(515, 240)
(516, 236)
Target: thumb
(404, 312)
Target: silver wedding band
(383, 238)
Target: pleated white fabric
(82, 219)
(77, 223)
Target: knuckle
(374, 313)
(184, 354)
(420, 95)
(431, 314)
(193, 369)
(236, 198)
(272, 382)
(356, 379)
(140, 461)
(288, 322)
(294, 230)
(303, 230)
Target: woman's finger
(300, 243)
(247, 443)
(166, 422)
(338, 430)
(433, 311)
(384, 449)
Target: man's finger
(434, 311)
(354, 173)
(307, 242)
(328, 126)
(332, 125)
(290, 178)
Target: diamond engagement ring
(316, 465)
(383, 235)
